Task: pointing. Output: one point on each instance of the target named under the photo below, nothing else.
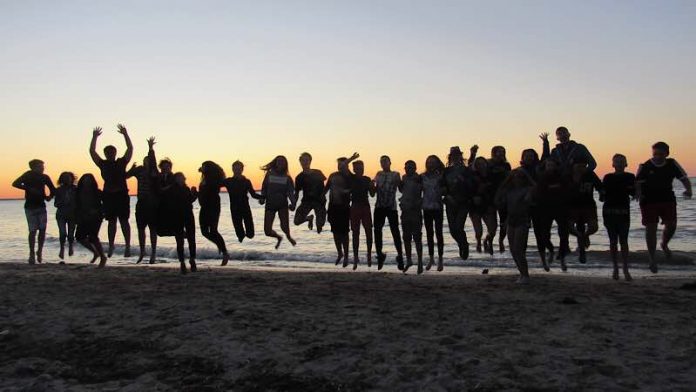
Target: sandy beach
(148, 328)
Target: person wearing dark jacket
(238, 187)
(568, 152)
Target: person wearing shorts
(619, 187)
(311, 183)
(657, 201)
(361, 188)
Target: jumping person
(361, 188)
(458, 189)
(276, 190)
(582, 221)
(212, 176)
(551, 197)
(65, 212)
(90, 214)
(498, 170)
(34, 183)
(433, 208)
(146, 206)
(311, 183)
(115, 192)
(386, 183)
(657, 200)
(619, 187)
(186, 208)
(483, 209)
(338, 186)
(567, 152)
(181, 198)
(411, 203)
(238, 187)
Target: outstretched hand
(474, 148)
(97, 132)
(151, 141)
(135, 164)
(121, 129)
(354, 156)
(544, 136)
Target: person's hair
(273, 165)
(358, 163)
(519, 172)
(109, 148)
(306, 154)
(410, 162)
(562, 129)
(87, 181)
(35, 163)
(451, 160)
(661, 146)
(439, 165)
(66, 178)
(496, 149)
(212, 173)
(385, 157)
(164, 161)
(534, 154)
(341, 159)
(237, 163)
(617, 156)
(179, 174)
(479, 159)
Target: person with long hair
(212, 177)
(65, 204)
(433, 209)
(182, 198)
(361, 189)
(338, 187)
(238, 189)
(146, 206)
(458, 191)
(531, 164)
(498, 169)
(277, 189)
(483, 209)
(90, 214)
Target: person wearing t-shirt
(361, 188)
(386, 182)
(311, 183)
(34, 183)
(339, 186)
(657, 201)
(458, 190)
(619, 187)
(238, 187)
(116, 202)
(583, 209)
(277, 190)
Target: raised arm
(151, 158)
(129, 144)
(93, 146)
(472, 154)
(352, 158)
(546, 147)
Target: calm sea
(317, 250)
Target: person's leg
(539, 236)
(302, 215)
(126, 230)
(32, 245)
(478, 229)
(248, 223)
(238, 224)
(217, 239)
(153, 242)
(190, 225)
(429, 222)
(268, 218)
(669, 219)
(62, 235)
(418, 240)
(141, 242)
(179, 237)
(366, 220)
(345, 238)
(460, 222)
(98, 250)
(407, 237)
(452, 213)
(355, 230)
(563, 236)
(393, 217)
(380, 216)
(651, 243)
(581, 233)
(71, 236)
(111, 231)
(440, 239)
(502, 213)
(284, 216)
(613, 245)
(513, 248)
(623, 240)
(521, 237)
(320, 216)
(338, 245)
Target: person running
(115, 192)
(238, 187)
(552, 199)
(657, 201)
(498, 170)
(567, 152)
(433, 208)
(311, 183)
(34, 183)
(338, 187)
(516, 192)
(483, 207)
(582, 220)
(276, 190)
(212, 176)
(146, 206)
(65, 212)
(458, 189)
(411, 203)
(386, 183)
(361, 188)
(619, 187)
(90, 214)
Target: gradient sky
(225, 80)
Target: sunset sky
(223, 80)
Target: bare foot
(523, 280)
(665, 249)
(502, 245)
(355, 263)
(369, 260)
(292, 241)
(31, 260)
(615, 275)
(345, 261)
(627, 276)
(102, 262)
(430, 264)
(94, 259)
(339, 258)
(546, 266)
(39, 257)
(564, 267)
(71, 251)
(61, 253)
(408, 265)
(280, 239)
(111, 250)
(225, 259)
(140, 258)
(440, 265)
(420, 267)
(478, 246)
(126, 253)
(310, 222)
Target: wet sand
(148, 328)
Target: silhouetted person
(90, 215)
(34, 183)
(386, 184)
(66, 204)
(552, 199)
(339, 185)
(238, 187)
(277, 189)
(483, 209)
(567, 152)
(433, 208)
(531, 164)
(115, 193)
(180, 200)
(619, 188)
(411, 202)
(498, 170)
(146, 209)
(657, 200)
(361, 189)
(311, 183)
(212, 177)
(582, 221)
(458, 190)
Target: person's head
(279, 165)
(385, 162)
(306, 160)
(519, 178)
(562, 134)
(433, 164)
(660, 152)
(87, 184)
(455, 156)
(110, 153)
(359, 168)
(165, 166)
(410, 167)
(237, 168)
(619, 162)
(37, 166)
(480, 165)
(342, 165)
(211, 173)
(180, 178)
(66, 179)
(529, 157)
(498, 154)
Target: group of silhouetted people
(557, 186)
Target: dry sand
(148, 328)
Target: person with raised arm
(277, 190)
(361, 188)
(115, 193)
(212, 176)
(458, 191)
(311, 183)
(146, 206)
(386, 183)
(433, 209)
(34, 183)
(567, 152)
(411, 203)
(338, 187)
(657, 201)
(238, 189)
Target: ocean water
(317, 250)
